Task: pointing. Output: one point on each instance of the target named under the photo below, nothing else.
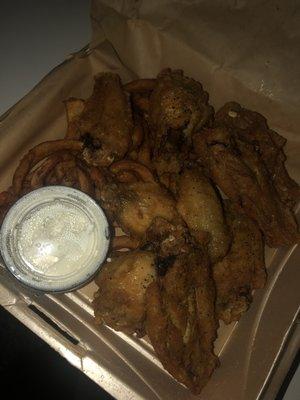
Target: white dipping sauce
(54, 238)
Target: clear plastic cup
(54, 239)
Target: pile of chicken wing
(191, 196)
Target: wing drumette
(241, 270)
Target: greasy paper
(247, 51)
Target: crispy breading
(237, 169)
(177, 102)
(120, 299)
(241, 270)
(252, 127)
(200, 207)
(180, 320)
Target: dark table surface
(29, 366)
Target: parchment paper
(247, 51)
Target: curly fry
(51, 179)
(6, 200)
(69, 173)
(125, 242)
(141, 102)
(98, 181)
(137, 136)
(140, 85)
(132, 155)
(38, 153)
(6, 196)
(144, 154)
(85, 183)
(97, 177)
(36, 178)
(126, 165)
(51, 170)
(65, 168)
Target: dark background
(28, 366)
(36, 36)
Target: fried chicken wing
(170, 161)
(120, 299)
(200, 207)
(180, 320)
(105, 123)
(242, 269)
(144, 209)
(237, 169)
(135, 205)
(252, 127)
(177, 102)
(168, 238)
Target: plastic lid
(54, 239)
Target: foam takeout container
(239, 50)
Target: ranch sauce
(54, 238)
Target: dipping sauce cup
(54, 239)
